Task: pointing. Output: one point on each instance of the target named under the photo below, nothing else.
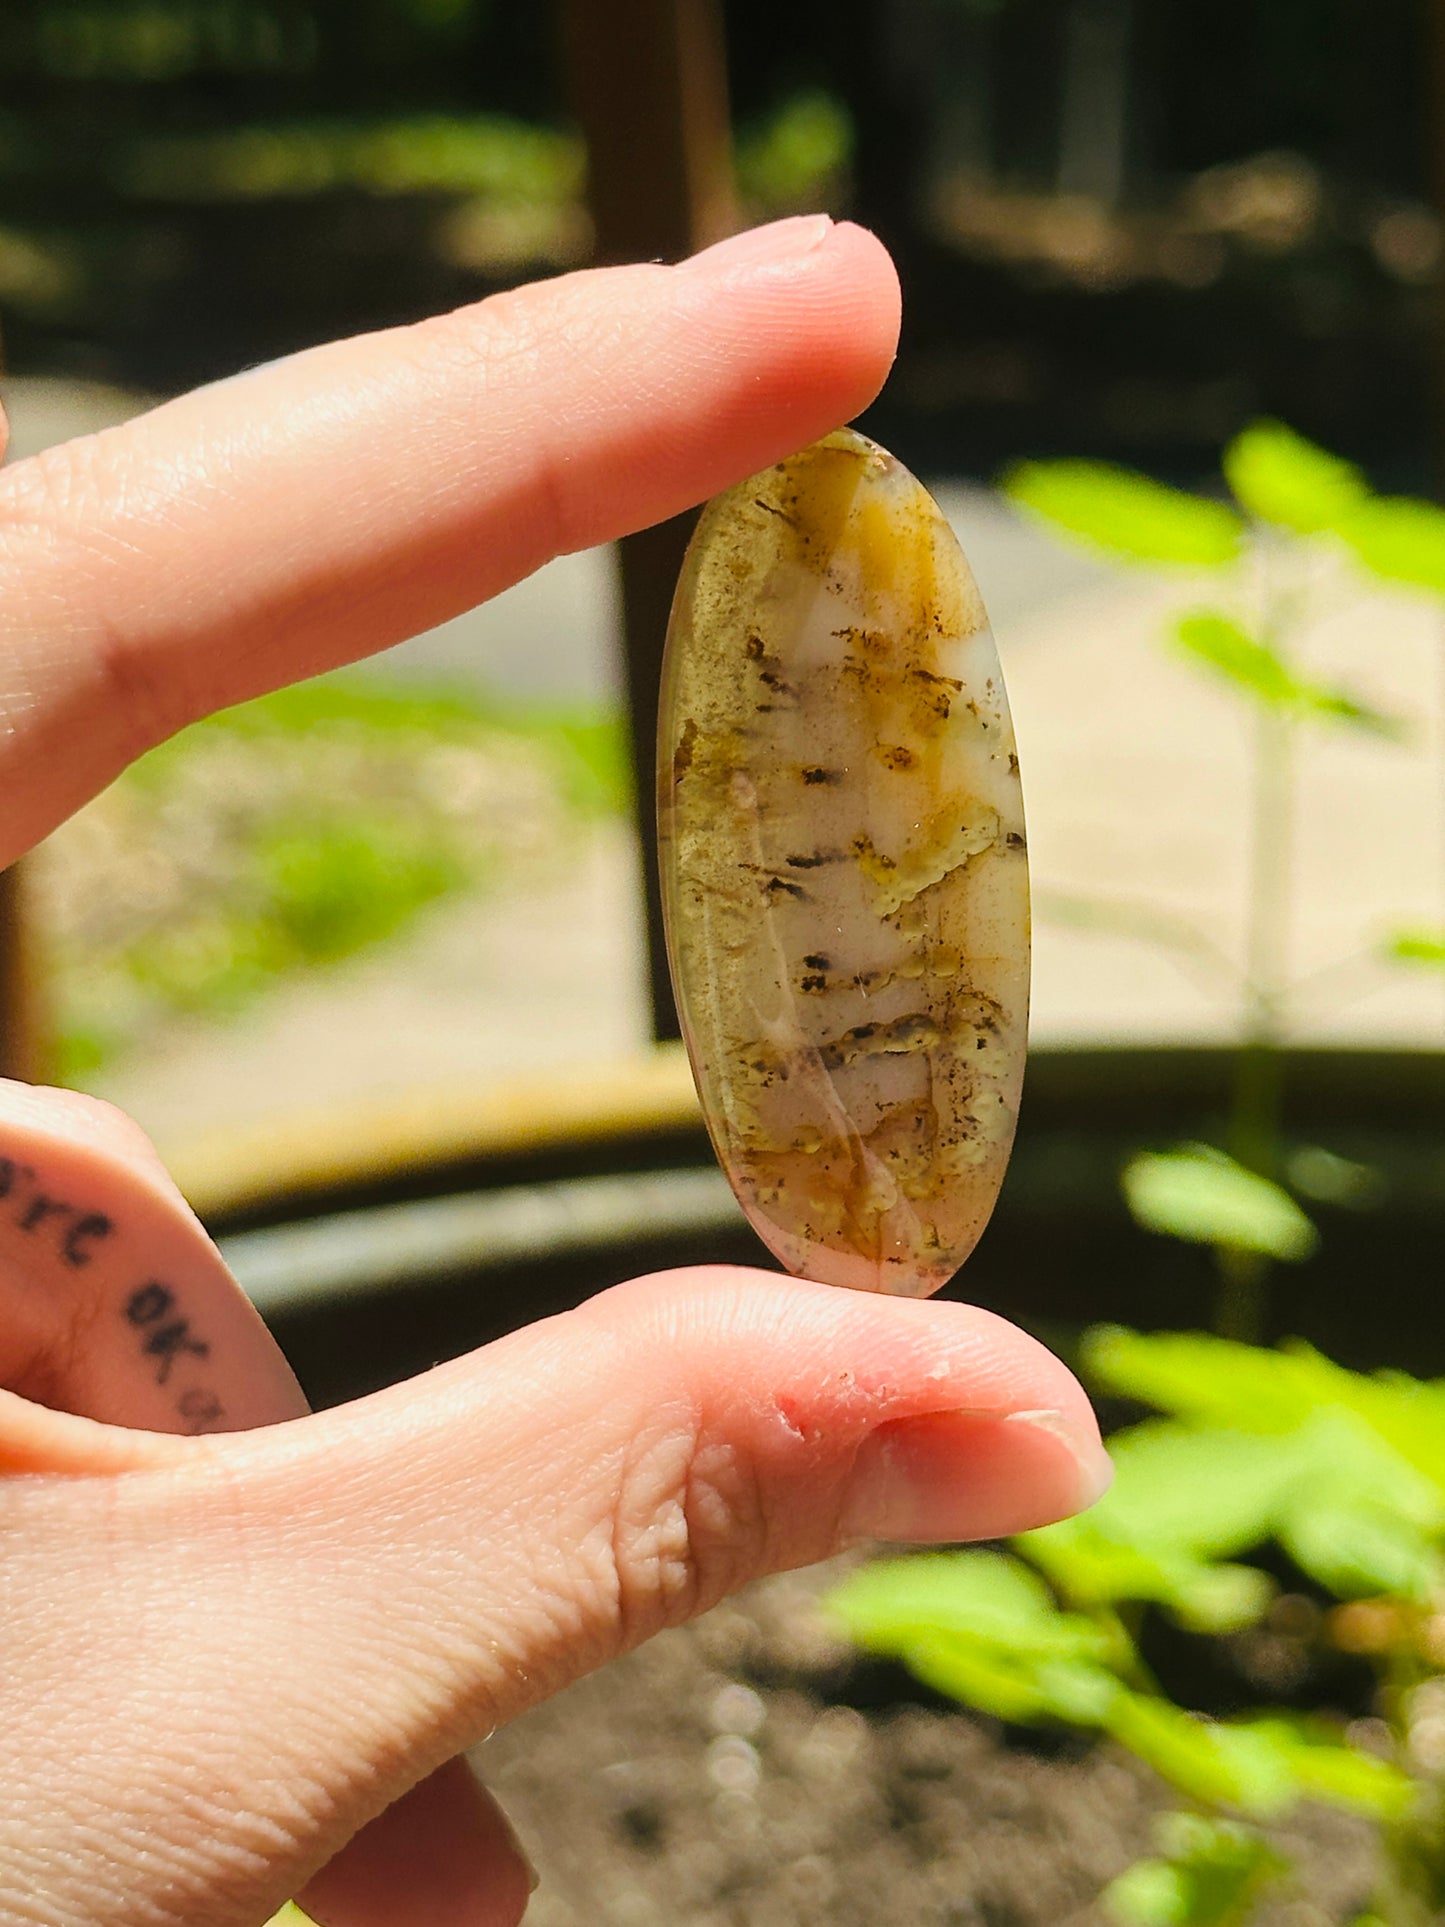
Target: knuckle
(68, 525)
(691, 1525)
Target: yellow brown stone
(844, 871)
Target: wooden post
(648, 85)
(1434, 61)
(23, 1051)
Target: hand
(230, 1654)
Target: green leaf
(1400, 539)
(1325, 1175)
(1127, 513)
(1260, 673)
(1211, 1874)
(1250, 665)
(1093, 1564)
(1280, 477)
(1152, 1893)
(1222, 1598)
(1418, 946)
(1207, 1492)
(1347, 1506)
(891, 1604)
(1360, 1551)
(1014, 1686)
(983, 1628)
(987, 1678)
(1229, 1766)
(1215, 1381)
(1200, 1195)
(1328, 705)
(1326, 1768)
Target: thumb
(377, 1587)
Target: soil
(748, 1771)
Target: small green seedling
(1300, 522)
(1344, 1473)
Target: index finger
(315, 511)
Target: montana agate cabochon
(844, 871)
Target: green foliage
(1418, 946)
(1250, 665)
(1211, 1381)
(1401, 540)
(1279, 477)
(1345, 1471)
(1200, 1195)
(1127, 514)
(1209, 1873)
(1262, 674)
(986, 1596)
(1359, 1461)
(796, 159)
(979, 1628)
(1322, 1174)
(485, 155)
(298, 830)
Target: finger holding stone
(317, 510)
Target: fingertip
(954, 1476)
(823, 295)
(860, 255)
(862, 1362)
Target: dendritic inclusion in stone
(844, 870)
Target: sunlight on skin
(239, 1650)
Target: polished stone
(844, 870)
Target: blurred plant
(481, 154)
(1292, 501)
(796, 160)
(297, 831)
(1343, 1473)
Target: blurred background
(363, 934)
(1123, 229)
(377, 960)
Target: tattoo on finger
(166, 1339)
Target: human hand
(241, 1663)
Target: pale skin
(243, 1646)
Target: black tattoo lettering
(167, 1341)
(39, 1209)
(200, 1408)
(30, 1209)
(149, 1303)
(85, 1231)
(146, 1307)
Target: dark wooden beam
(24, 1052)
(1434, 63)
(647, 81)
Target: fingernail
(973, 1475)
(756, 246)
